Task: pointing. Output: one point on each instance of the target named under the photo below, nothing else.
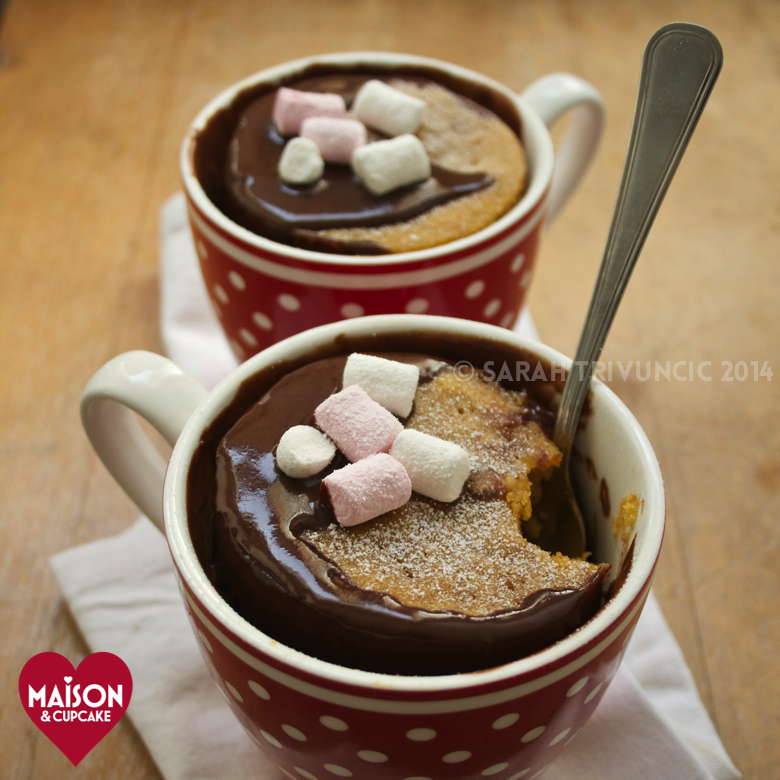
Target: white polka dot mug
(317, 720)
(264, 291)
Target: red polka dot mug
(264, 291)
(317, 720)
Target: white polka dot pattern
(505, 721)
(560, 737)
(205, 641)
(262, 321)
(475, 289)
(517, 263)
(304, 773)
(203, 254)
(220, 293)
(508, 319)
(520, 774)
(577, 687)
(233, 692)
(532, 734)
(282, 769)
(456, 757)
(350, 310)
(247, 337)
(372, 756)
(335, 724)
(338, 770)
(417, 306)
(291, 731)
(289, 302)
(269, 739)
(525, 280)
(420, 735)
(492, 308)
(593, 693)
(495, 769)
(237, 280)
(258, 689)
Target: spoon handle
(680, 66)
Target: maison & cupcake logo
(75, 708)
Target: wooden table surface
(95, 96)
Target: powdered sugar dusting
(469, 557)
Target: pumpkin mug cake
(368, 183)
(316, 717)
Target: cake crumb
(624, 521)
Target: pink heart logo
(75, 708)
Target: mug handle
(550, 97)
(159, 391)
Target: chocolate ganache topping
(259, 200)
(266, 557)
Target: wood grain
(96, 95)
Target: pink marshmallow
(336, 139)
(367, 489)
(292, 106)
(357, 423)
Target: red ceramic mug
(314, 719)
(264, 291)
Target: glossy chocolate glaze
(235, 158)
(295, 595)
(261, 200)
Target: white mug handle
(162, 394)
(550, 97)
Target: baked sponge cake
(459, 135)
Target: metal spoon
(680, 66)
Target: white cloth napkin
(651, 724)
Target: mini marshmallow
(438, 469)
(358, 424)
(292, 106)
(367, 489)
(301, 162)
(384, 166)
(336, 139)
(304, 451)
(388, 110)
(388, 382)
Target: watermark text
(613, 370)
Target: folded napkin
(651, 724)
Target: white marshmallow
(301, 162)
(336, 139)
(438, 469)
(388, 382)
(384, 166)
(304, 451)
(388, 110)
